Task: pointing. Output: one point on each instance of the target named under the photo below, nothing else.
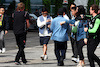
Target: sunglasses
(3, 10)
(45, 13)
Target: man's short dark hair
(36, 10)
(95, 7)
(73, 8)
(73, 4)
(44, 9)
(65, 10)
(60, 11)
(1, 6)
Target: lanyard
(1, 18)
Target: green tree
(27, 4)
(58, 4)
(47, 4)
(90, 2)
(69, 3)
(28, 7)
(97, 2)
(11, 8)
(1, 2)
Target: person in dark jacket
(93, 36)
(21, 21)
(4, 25)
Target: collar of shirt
(60, 15)
(45, 18)
(0, 15)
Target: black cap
(60, 11)
(2, 6)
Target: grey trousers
(1, 39)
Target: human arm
(6, 24)
(96, 26)
(27, 20)
(52, 25)
(40, 24)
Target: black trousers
(80, 47)
(60, 49)
(21, 40)
(91, 47)
(74, 47)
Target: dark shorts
(44, 40)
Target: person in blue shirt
(59, 36)
(80, 33)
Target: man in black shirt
(20, 17)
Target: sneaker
(45, 57)
(75, 60)
(42, 57)
(0, 50)
(98, 46)
(17, 63)
(61, 61)
(24, 62)
(83, 65)
(78, 60)
(3, 50)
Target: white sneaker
(45, 57)
(78, 60)
(42, 57)
(3, 50)
(98, 46)
(75, 60)
(0, 50)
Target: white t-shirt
(66, 17)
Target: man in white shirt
(43, 22)
(65, 14)
(72, 5)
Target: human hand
(48, 20)
(6, 31)
(85, 40)
(49, 26)
(85, 29)
(71, 24)
(61, 23)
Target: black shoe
(61, 62)
(17, 63)
(25, 63)
(58, 64)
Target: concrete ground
(33, 52)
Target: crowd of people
(81, 28)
